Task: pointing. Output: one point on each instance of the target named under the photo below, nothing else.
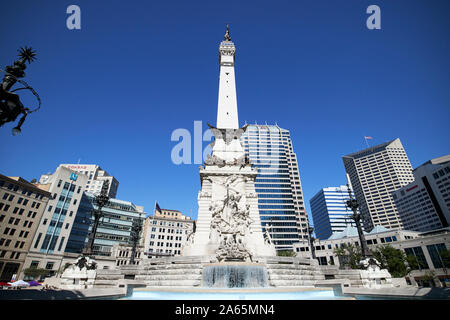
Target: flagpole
(365, 138)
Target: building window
(435, 253)
(61, 243)
(417, 252)
(37, 240)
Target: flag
(367, 137)
(157, 208)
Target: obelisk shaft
(227, 115)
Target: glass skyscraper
(330, 212)
(278, 186)
(114, 227)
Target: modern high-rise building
(278, 186)
(50, 240)
(330, 212)
(424, 204)
(375, 173)
(114, 226)
(21, 207)
(96, 177)
(166, 232)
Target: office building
(428, 248)
(424, 204)
(330, 212)
(50, 240)
(278, 186)
(21, 207)
(166, 232)
(375, 173)
(96, 177)
(114, 226)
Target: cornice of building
(24, 183)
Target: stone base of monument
(80, 275)
(206, 271)
(373, 277)
(78, 279)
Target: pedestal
(374, 277)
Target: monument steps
(104, 283)
(291, 271)
(292, 283)
(292, 274)
(290, 266)
(109, 277)
(172, 266)
(275, 276)
(196, 271)
(173, 283)
(169, 277)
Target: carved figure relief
(231, 221)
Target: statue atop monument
(227, 34)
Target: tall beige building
(424, 204)
(50, 240)
(96, 176)
(375, 173)
(21, 208)
(166, 232)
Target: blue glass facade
(329, 211)
(280, 199)
(57, 219)
(114, 226)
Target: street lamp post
(100, 200)
(136, 229)
(353, 205)
(311, 242)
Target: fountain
(234, 275)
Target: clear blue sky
(114, 91)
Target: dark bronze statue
(10, 105)
(100, 200)
(227, 34)
(353, 205)
(81, 263)
(135, 236)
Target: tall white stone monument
(228, 224)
